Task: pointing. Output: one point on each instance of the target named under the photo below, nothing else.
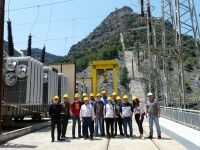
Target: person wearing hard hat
(153, 112)
(109, 115)
(83, 128)
(91, 102)
(87, 116)
(55, 113)
(139, 114)
(65, 115)
(118, 117)
(98, 111)
(104, 100)
(75, 109)
(126, 113)
(114, 102)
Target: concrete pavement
(41, 140)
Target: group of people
(93, 113)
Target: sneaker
(122, 136)
(52, 140)
(125, 137)
(80, 136)
(142, 138)
(131, 137)
(113, 136)
(60, 139)
(73, 136)
(159, 137)
(91, 139)
(150, 137)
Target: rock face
(106, 86)
(136, 87)
(116, 22)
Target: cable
(133, 4)
(36, 19)
(61, 20)
(40, 5)
(8, 8)
(49, 23)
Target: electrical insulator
(29, 45)
(10, 40)
(43, 55)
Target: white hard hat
(149, 94)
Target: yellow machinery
(103, 65)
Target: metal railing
(186, 117)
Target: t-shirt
(126, 109)
(109, 111)
(76, 106)
(152, 107)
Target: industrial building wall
(70, 72)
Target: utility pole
(2, 6)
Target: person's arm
(80, 115)
(114, 111)
(50, 110)
(120, 109)
(104, 111)
(131, 111)
(94, 109)
(158, 110)
(147, 110)
(141, 111)
(93, 115)
(72, 108)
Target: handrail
(180, 109)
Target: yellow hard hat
(104, 92)
(118, 98)
(56, 97)
(125, 96)
(91, 94)
(98, 94)
(134, 98)
(65, 96)
(77, 95)
(86, 99)
(114, 93)
(109, 99)
(84, 95)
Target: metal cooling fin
(21, 71)
(10, 79)
(11, 64)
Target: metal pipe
(2, 6)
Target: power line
(8, 8)
(36, 19)
(49, 23)
(60, 20)
(40, 5)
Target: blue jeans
(87, 123)
(74, 125)
(156, 121)
(127, 120)
(98, 122)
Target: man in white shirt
(87, 116)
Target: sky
(61, 25)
